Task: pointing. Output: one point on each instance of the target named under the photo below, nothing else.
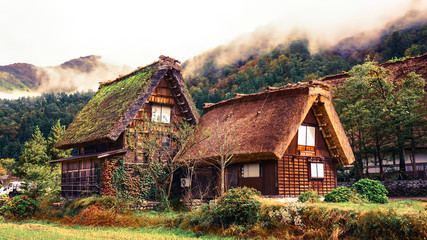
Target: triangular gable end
(332, 131)
(117, 102)
(174, 80)
(331, 128)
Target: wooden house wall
(80, 178)
(294, 175)
(290, 175)
(321, 148)
(294, 170)
(207, 179)
(161, 95)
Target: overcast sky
(135, 33)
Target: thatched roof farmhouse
(265, 128)
(100, 132)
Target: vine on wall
(131, 182)
(109, 167)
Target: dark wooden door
(232, 176)
(269, 185)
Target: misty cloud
(71, 79)
(17, 94)
(335, 36)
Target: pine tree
(55, 134)
(34, 153)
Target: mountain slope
(77, 74)
(293, 62)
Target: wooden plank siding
(294, 175)
(161, 95)
(80, 178)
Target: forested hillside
(293, 62)
(285, 63)
(19, 118)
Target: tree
(362, 106)
(186, 141)
(55, 134)
(396, 44)
(2, 170)
(43, 180)
(408, 116)
(34, 165)
(7, 164)
(381, 116)
(34, 153)
(163, 147)
(223, 142)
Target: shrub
(341, 194)
(310, 196)
(372, 190)
(238, 206)
(72, 208)
(289, 214)
(20, 207)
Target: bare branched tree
(160, 144)
(223, 142)
(189, 164)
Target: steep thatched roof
(115, 104)
(264, 124)
(399, 70)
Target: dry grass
(400, 206)
(40, 230)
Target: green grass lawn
(46, 230)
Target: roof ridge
(289, 86)
(164, 62)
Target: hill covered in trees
(19, 118)
(213, 81)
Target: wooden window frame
(161, 113)
(317, 172)
(248, 165)
(306, 150)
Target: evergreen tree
(55, 134)
(34, 153)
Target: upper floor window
(306, 140)
(161, 113)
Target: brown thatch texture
(399, 70)
(116, 103)
(265, 123)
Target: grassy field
(45, 230)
